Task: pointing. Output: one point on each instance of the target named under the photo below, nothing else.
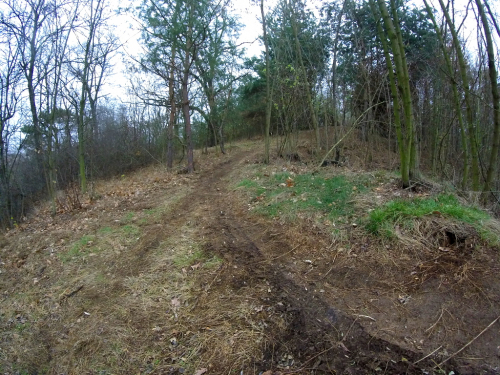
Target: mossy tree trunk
(495, 147)
(269, 100)
(456, 96)
(471, 129)
(400, 79)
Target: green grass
(128, 217)
(310, 193)
(20, 327)
(252, 185)
(188, 259)
(402, 212)
(213, 262)
(131, 230)
(77, 249)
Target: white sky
(249, 15)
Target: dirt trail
(316, 336)
(119, 287)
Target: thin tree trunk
(185, 96)
(456, 97)
(495, 147)
(468, 102)
(171, 120)
(269, 102)
(493, 19)
(306, 81)
(404, 140)
(404, 79)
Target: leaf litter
(199, 292)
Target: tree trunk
(495, 147)
(456, 97)
(269, 101)
(404, 140)
(310, 102)
(185, 95)
(468, 102)
(171, 120)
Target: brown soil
(279, 297)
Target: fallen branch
(437, 321)
(333, 264)
(469, 343)
(428, 355)
(71, 294)
(345, 135)
(365, 316)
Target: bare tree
(10, 92)
(89, 65)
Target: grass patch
(106, 230)
(78, 249)
(128, 217)
(213, 262)
(252, 185)
(189, 258)
(130, 230)
(285, 194)
(402, 212)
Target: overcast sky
(249, 16)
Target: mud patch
(304, 332)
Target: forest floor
(165, 273)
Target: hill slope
(217, 273)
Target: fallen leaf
(196, 266)
(200, 371)
(176, 302)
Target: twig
(469, 343)
(437, 321)
(428, 355)
(333, 263)
(356, 122)
(365, 316)
(215, 278)
(279, 256)
(310, 359)
(71, 294)
(349, 330)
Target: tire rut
(317, 338)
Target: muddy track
(317, 337)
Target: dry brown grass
(119, 287)
(147, 278)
